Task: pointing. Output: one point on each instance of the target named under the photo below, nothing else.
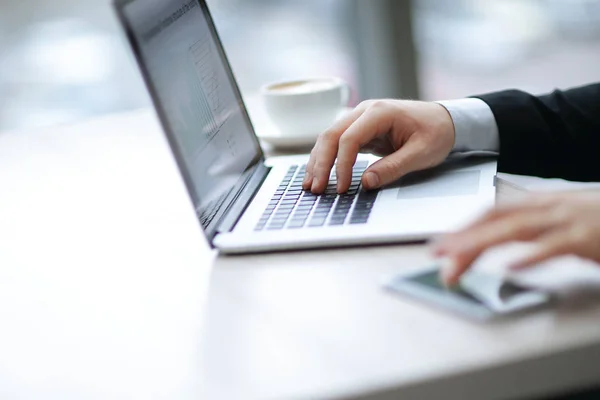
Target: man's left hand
(559, 224)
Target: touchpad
(424, 184)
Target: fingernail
(517, 266)
(438, 250)
(307, 180)
(437, 245)
(447, 271)
(315, 184)
(371, 180)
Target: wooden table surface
(108, 290)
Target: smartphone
(479, 295)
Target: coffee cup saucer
(269, 134)
(286, 142)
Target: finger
(447, 242)
(308, 176)
(326, 151)
(394, 166)
(372, 123)
(471, 244)
(529, 204)
(552, 245)
(448, 272)
(526, 206)
(521, 226)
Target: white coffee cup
(305, 107)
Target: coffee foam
(303, 87)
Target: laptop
(246, 203)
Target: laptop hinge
(245, 196)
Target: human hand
(558, 224)
(412, 135)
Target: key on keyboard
(293, 208)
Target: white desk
(107, 290)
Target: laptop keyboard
(293, 208)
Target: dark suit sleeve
(552, 136)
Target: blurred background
(64, 60)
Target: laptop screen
(195, 93)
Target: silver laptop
(246, 203)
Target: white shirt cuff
(474, 125)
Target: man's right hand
(411, 135)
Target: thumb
(389, 169)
